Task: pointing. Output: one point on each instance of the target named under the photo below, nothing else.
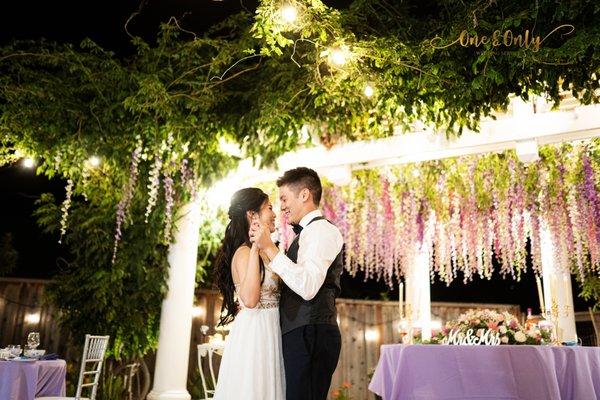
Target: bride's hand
(254, 231)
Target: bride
(252, 363)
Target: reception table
(419, 372)
(26, 380)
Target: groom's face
(291, 203)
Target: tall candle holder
(409, 315)
(406, 325)
(554, 315)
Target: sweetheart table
(446, 372)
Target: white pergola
(524, 127)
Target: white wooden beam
(579, 123)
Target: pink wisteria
(473, 215)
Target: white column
(557, 288)
(170, 373)
(418, 293)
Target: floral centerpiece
(484, 324)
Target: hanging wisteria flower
(123, 206)
(153, 185)
(470, 218)
(64, 209)
(169, 199)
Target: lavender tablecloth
(20, 380)
(430, 372)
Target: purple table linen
(420, 372)
(21, 380)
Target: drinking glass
(15, 350)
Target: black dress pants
(310, 356)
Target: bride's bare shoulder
(242, 253)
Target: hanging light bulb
(369, 91)
(28, 162)
(339, 56)
(94, 161)
(289, 14)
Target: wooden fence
(23, 309)
(365, 325)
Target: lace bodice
(269, 291)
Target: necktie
(297, 228)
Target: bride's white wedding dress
(252, 363)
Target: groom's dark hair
(303, 178)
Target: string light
(289, 14)
(371, 335)
(28, 162)
(339, 56)
(32, 318)
(94, 161)
(369, 91)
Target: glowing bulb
(32, 318)
(371, 335)
(289, 14)
(339, 56)
(94, 161)
(369, 91)
(28, 162)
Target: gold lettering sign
(508, 39)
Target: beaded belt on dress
(267, 305)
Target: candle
(401, 299)
(540, 294)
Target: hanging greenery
(468, 211)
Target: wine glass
(33, 340)
(15, 350)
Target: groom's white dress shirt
(320, 243)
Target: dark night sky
(103, 22)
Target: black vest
(295, 312)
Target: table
(22, 380)
(418, 372)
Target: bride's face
(267, 216)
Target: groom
(310, 270)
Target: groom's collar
(309, 217)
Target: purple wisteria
(128, 192)
(495, 208)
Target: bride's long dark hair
(236, 235)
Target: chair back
(207, 350)
(94, 350)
